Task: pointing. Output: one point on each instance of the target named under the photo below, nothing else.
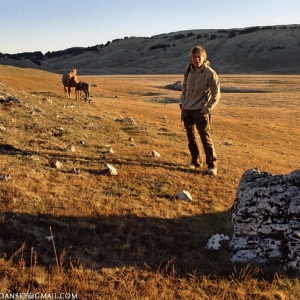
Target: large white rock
(266, 219)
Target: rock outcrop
(266, 219)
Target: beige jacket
(200, 89)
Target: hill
(254, 50)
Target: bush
(159, 46)
(232, 34)
(191, 34)
(179, 36)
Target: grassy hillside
(128, 236)
(257, 50)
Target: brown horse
(83, 87)
(70, 80)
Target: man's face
(197, 60)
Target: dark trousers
(195, 122)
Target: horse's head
(73, 72)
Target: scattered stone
(49, 238)
(266, 219)
(56, 164)
(34, 157)
(177, 86)
(71, 148)
(184, 195)
(2, 128)
(128, 120)
(108, 151)
(110, 170)
(155, 153)
(47, 99)
(6, 177)
(75, 171)
(11, 99)
(214, 242)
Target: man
(200, 95)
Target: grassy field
(128, 236)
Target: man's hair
(198, 50)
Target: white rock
(56, 164)
(71, 148)
(155, 153)
(110, 150)
(214, 242)
(184, 195)
(265, 219)
(111, 170)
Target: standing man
(200, 95)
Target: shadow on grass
(99, 242)
(117, 241)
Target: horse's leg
(66, 91)
(69, 92)
(78, 94)
(88, 93)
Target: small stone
(110, 150)
(184, 195)
(155, 153)
(75, 171)
(56, 164)
(71, 148)
(6, 177)
(110, 170)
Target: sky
(52, 25)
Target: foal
(82, 87)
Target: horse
(69, 80)
(82, 87)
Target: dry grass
(128, 237)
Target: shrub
(159, 46)
(179, 36)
